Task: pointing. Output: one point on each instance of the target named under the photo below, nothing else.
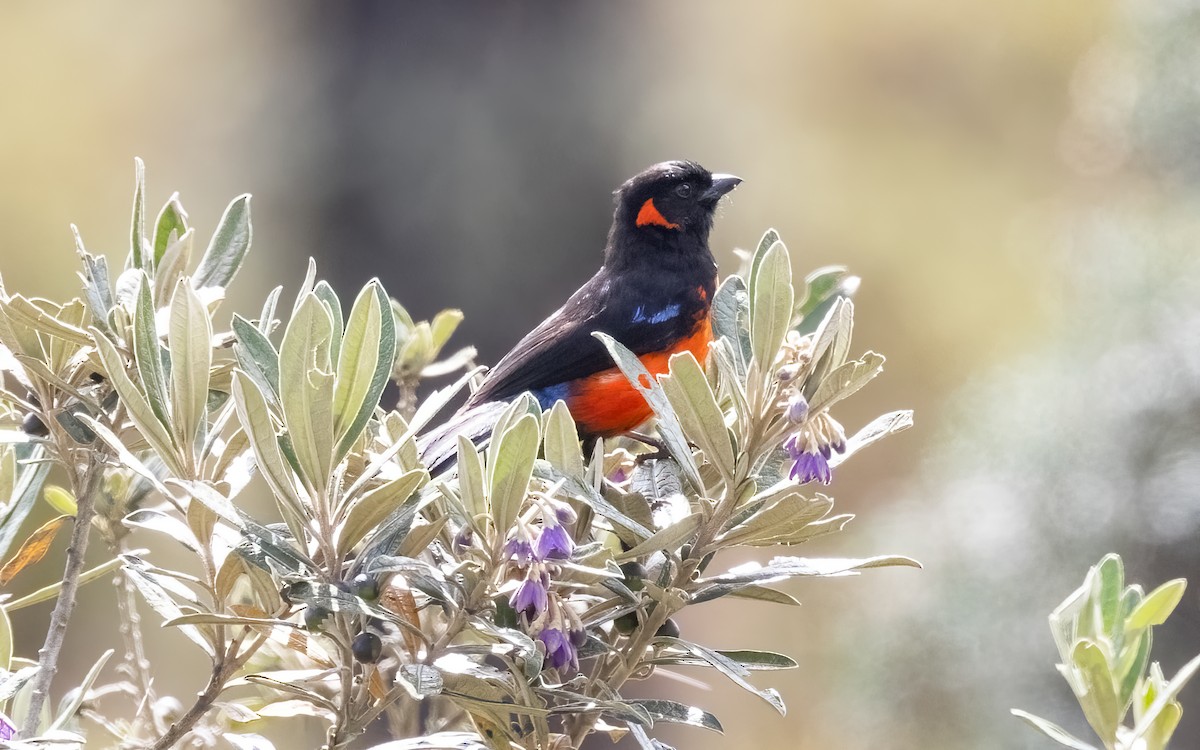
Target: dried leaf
(33, 549)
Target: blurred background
(1015, 182)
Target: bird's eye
(684, 191)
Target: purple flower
(530, 598)
(554, 543)
(797, 409)
(810, 467)
(565, 513)
(809, 463)
(520, 550)
(7, 730)
(560, 652)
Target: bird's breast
(606, 404)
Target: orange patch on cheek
(650, 215)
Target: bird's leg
(660, 448)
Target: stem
(227, 663)
(65, 606)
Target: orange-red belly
(605, 404)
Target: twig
(227, 663)
(65, 606)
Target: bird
(652, 293)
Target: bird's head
(669, 202)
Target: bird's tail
(438, 448)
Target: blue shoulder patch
(551, 393)
(662, 316)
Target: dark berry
(366, 648)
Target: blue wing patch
(662, 316)
(551, 393)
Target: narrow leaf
(365, 364)
(33, 549)
(1052, 730)
(669, 428)
(696, 406)
(137, 232)
(509, 473)
(189, 339)
(228, 246)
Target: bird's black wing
(562, 348)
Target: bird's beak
(721, 184)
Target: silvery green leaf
(333, 305)
(731, 321)
(139, 409)
(750, 660)
(644, 740)
(470, 479)
(437, 741)
(255, 418)
(27, 474)
(562, 441)
(41, 317)
(162, 523)
(367, 352)
(76, 697)
(831, 342)
(227, 248)
(517, 408)
(765, 594)
(1165, 698)
(585, 493)
(669, 539)
(173, 264)
(257, 357)
(306, 389)
(11, 682)
(128, 460)
(147, 352)
(6, 641)
(783, 568)
(1052, 730)
(879, 428)
(1130, 667)
(424, 679)
(510, 469)
(1157, 606)
(137, 232)
(769, 239)
(1106, 593)
(248, 741)
(770, 305)
(823, 287)
(271, 551)
(387, 536)
(150, 586)
(788, 512)
(696, 406)
(732, 380)
(443, 326)
(669, 428)
(266, 319)
(679, 713)
(373, 507)
(1099, 702)
(726, 666)
(189, 339)
(96, 285)
(172, 218)
(846, 380)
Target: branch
(65, 606)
